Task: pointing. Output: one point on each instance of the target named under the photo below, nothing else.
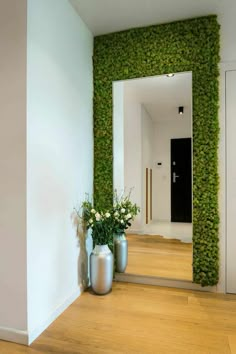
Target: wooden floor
(156, 256)
(140, 319)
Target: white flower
(128, 216)
(116, 213)
(98, 217)
(90, 221)
(122, 210)
(93, 211)
(122, 221)
(107, 215)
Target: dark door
(181, 180)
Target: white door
(231, 180)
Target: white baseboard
(134, 231)
(25, 337)
(14, 335)
(57, 312)
(167, 282)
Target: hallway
(140, 319)
(65, 139)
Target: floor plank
(136, 318)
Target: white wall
(164, 131)
(13, 312)
(147, 157)
(131, 148)
(59, 153)
(133, 155)
(226, 16)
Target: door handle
(174, 177)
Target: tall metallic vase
(121, 252)
(101, 269)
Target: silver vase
(121, 252)
(101, 269)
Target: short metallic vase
(101, 269)
(121, 252)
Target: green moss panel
(190, 45)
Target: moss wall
(191, 45)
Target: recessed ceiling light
(181, 110)
(170, 75)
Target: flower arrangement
(100, 223)
(104, 224)
(123, 213)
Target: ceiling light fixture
(181, 110)
(170, 75)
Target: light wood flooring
(154, 255)
(142, 319)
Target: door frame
(222, 166)
(225, 67)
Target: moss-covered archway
(191, 45)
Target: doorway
(181, 180)
(146, 118)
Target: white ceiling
(106, 16)
(162, 95)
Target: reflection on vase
(83, 260)
(121, 252)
